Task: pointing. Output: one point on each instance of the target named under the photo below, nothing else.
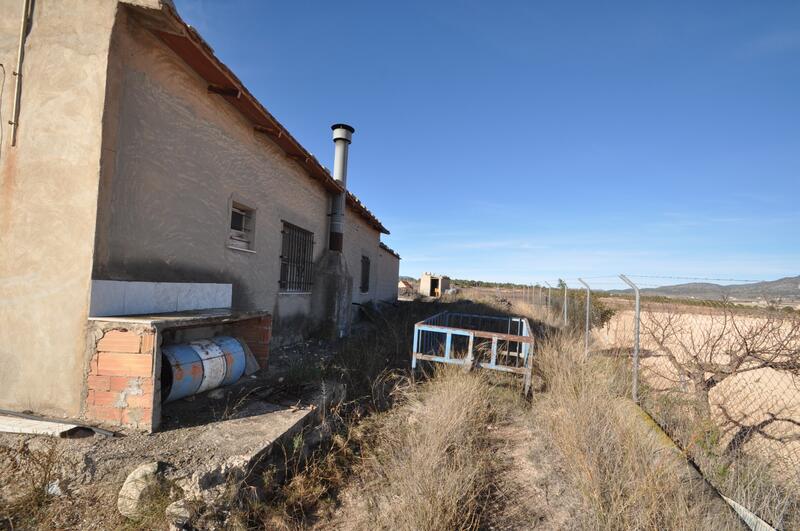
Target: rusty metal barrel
(200, 366)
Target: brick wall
(256, 333)
(120, 383)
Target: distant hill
(785, 289)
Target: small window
(297, 259)
(364, 274)
(241, 235)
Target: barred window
(364, 274)
(297, 255)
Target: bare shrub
(39, 469)
(706, 352)
(618, 464)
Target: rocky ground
(205, 441)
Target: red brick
(120, 341)
(140, 401)
(93, 365)
(147, 385)
(124, 364)
(104, 413)
(122, 383)
(118, 383)
(105, 398)
(98, 383)
(148, 341)
(138, 417)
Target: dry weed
(430, 466)
(624, 471)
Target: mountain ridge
(786, 288)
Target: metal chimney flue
(342, 136)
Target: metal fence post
(588, 312)
(549, 288)
(637, 315)
(565, 301)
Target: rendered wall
(176, 157)
(360, 239)
(388, 272)
(48, 195)
(181, 154)
(425, 284)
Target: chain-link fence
(722, 379)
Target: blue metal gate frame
(510, 351)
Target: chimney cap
(350, 128)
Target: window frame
(241, 240)
(300, 242)
(365, 260)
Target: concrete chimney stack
(342, 136)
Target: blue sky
(524, 141)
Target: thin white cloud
(776, 42)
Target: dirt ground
(86, 473)
(531, 492)
(534, 491)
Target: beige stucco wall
(425, 284)
(48, 194)
(168, 157)
(388, 271)
(176, 155)
(180, 155)
(360, 239)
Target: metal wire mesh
(722, 379)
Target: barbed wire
(698, 278)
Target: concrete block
(202, 296)
(99, 383)
(124, 364)
(119, 341)
(111, 297)
(108, 298)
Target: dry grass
(38, 469)
(37, 491)
(430, 466)
(624, 471)
(423, 465)
(748, 478)
(729, 434)
(293, 495)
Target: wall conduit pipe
(23, 32)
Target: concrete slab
(35, 427)
(261, 425)
(184, 318)
(203, 459)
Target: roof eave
(187, 43)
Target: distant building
(405, 285)
(431, 285)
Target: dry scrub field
(442, 450)
(753, 399)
